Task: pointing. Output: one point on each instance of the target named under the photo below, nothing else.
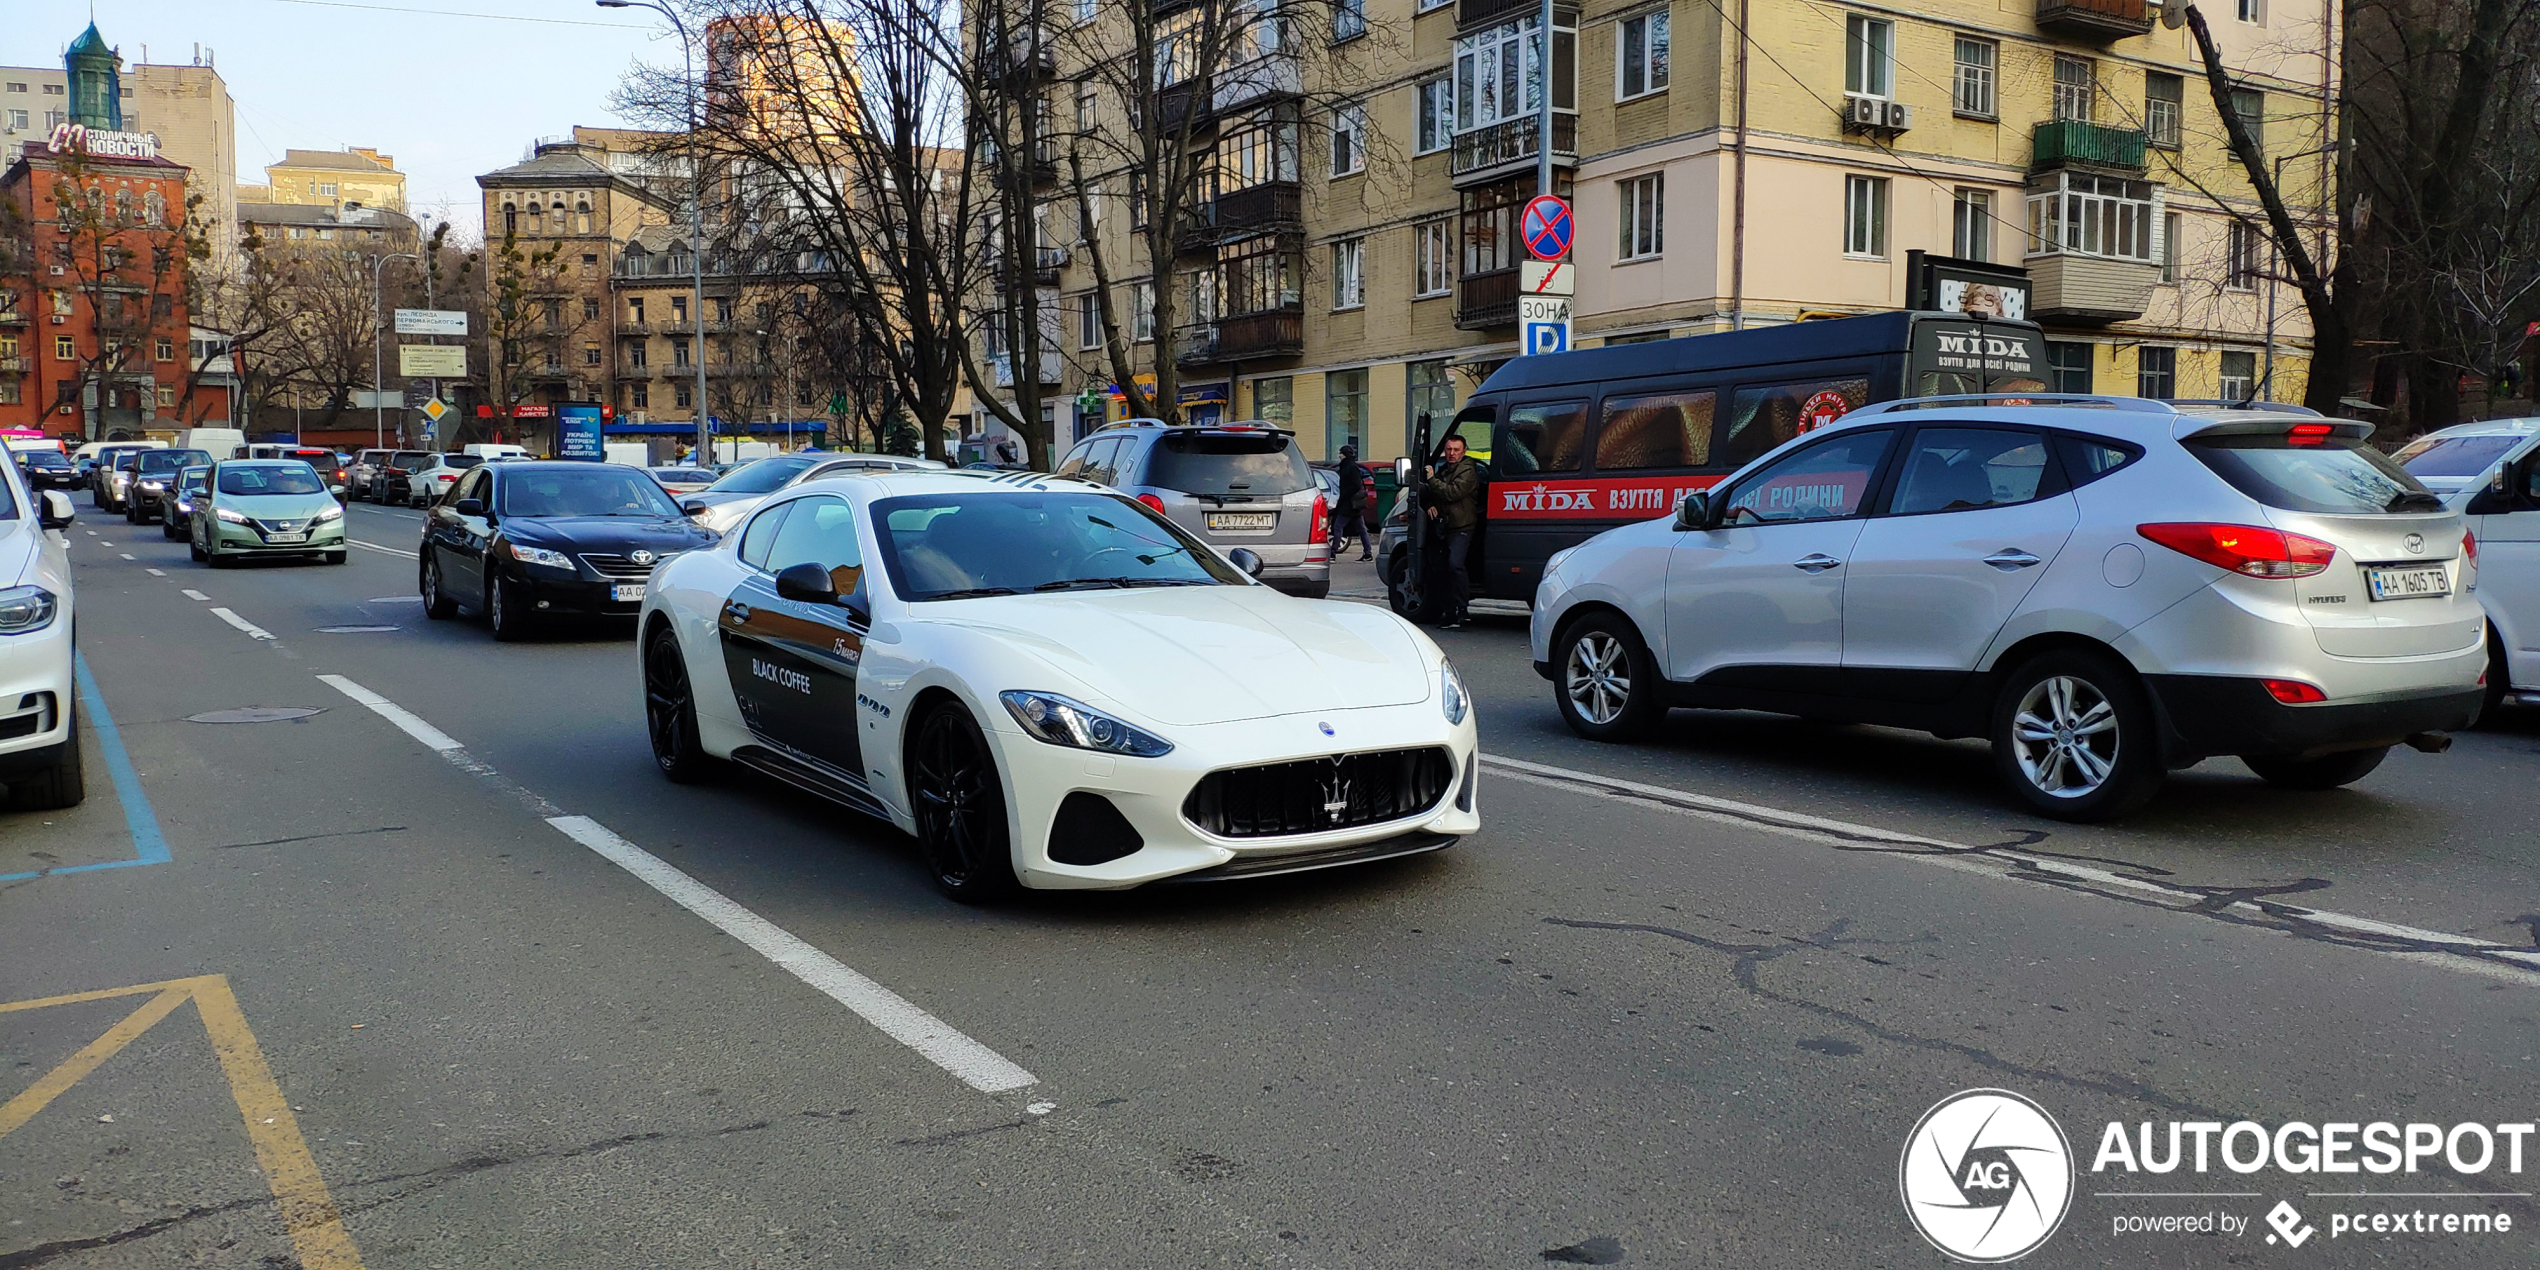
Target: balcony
(1486, 300)
(1245, 337)
(2095, 20)
(1473, 13)
(16, 365)
(2089, 290)
(1255, 209)
(12, 317)
(1046, 262)
(1043, 167)
(1027, 55)
(2065, 143)
(1509, 146)
(1265, 78)
(1178, 103)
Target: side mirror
(1693, 511)
(805, 583)
(1401, 472)
(56, 512)
(1246, 559)
(694, 507)
(469, 507)
(336, 490)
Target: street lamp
(696, 207)
(378, 413)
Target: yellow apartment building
(332, 178)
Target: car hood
(1192, 655)
(278, 506)
(661, 535)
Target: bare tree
(129, 263)
(533, 319)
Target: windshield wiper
(973, 592)
(1081, 584)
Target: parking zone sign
(1543, 324)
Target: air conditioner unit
(58, 319)
(1864, 112)
(1899, 116)
(57, 271)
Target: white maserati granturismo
(1052, 686)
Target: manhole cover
(353, 630)
(256, 714)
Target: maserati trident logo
(1987, 1176)
(641, 556)
(1335, 793)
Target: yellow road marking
(308, 1212)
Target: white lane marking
(2476, 956)
(155, 573)
(406, 720)
(974, 1064)
(90, 532)
(192, 594)
(103, 543)
(253, 631)
(128, 555)
(372, 546)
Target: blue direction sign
(1546, 227)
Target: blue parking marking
(149, 846)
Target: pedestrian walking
(1350, 517)
(1452, 493)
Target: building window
(2068, 365)
(17, 120)
(2171, 227)
(723, 310)
(1971, 90)
(1971, 225)
(1344, 411)
(1433, 258)
(1142, 311)
(1349, 19)
(1869, 56)
(167, 396)
(2238, 373)
(2163, 98)
(679, 308)
(165, 349)
(1498, 73)
(1644, 217)
(9, 390)
(590, 265)
(326, 189)
(1349, 138)
(2240, 255)
(1432, 391)
(590, 310)
(1085, 11)
(2253, 12)
(2251, 107)
(2156, 372)
(1349, 279)
(681, 396)
(679, 354)
(1641, 50)
(1260, 276)
(1256, 149)
(2076, 88)
(65, 349)
(590, 354)
(1865, 216)
(1088, 321)
(1274, 400)
(639, 395)
(1437, 115)
(2077, 214)
(636, 356)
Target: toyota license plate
(1241, 522)
(2418, 582)
(627, 592)
(286, 538)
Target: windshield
(2454, 456)
(596, 491)
(1258, 466)
(683, 475)
(46, 458)
(191, 479)
(171, 460)
(270, 478)
(950, 546)
(2333, 476)
(762, 477)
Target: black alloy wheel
(960, 808)
(503, 611)
(670, 711)
(437, 601)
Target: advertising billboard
(578, 434)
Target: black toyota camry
(525, 540)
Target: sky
(449, 88)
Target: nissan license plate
(286, 537)
(627, 592)
(1241, 522)
(2415, 582)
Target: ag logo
(1987, 1175)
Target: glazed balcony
(2074, 143)
(2098, 21)
(1508, 147)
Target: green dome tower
(96, 82)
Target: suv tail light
(2469, 547)
(2293, 692)
(1153, 502)
(1322, 530)
(2247, 549)
(2309, 433)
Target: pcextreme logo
(1987, 1175)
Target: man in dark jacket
(1453, 496)
(1348, 521)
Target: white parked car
(1051, 686)
(425, 485)
(39, 746)
(2490, 472)
(2106, 589)
(742, 489)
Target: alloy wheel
(2064, 734)
(667, 701)
(956, 796)
(1598, 677)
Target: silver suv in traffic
(1233, 484)
(2106, 589)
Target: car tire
(503, 611)
(438, 603)
(167, 529)
(2328, 771)
(195, 549)
(338, 557)
(1604, 680)
(2073, 737)
(670, 711)
(59, 782)
(132, 513)
(2500, 681)
(960, 805)
(213, 557)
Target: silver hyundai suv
(2107, 589)
(1233, 484)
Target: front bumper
(1150, 793)
(35, 694)
(324, 536)
(2206, 715)
(549, 590)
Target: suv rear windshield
(2454, 456)
(410, 459)
(1217, 464)
(2335, 476)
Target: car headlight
(26, 608)
(235, 518)
(1451, 698)
(331, 513)
(1061, 721)
(540, 555)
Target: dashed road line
(372, 546)
(128, 555)
(253, 631)
(192, 594)
(156, 573)
(406, 720)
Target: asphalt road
(1679, 1005)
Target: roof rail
(2140, 405)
